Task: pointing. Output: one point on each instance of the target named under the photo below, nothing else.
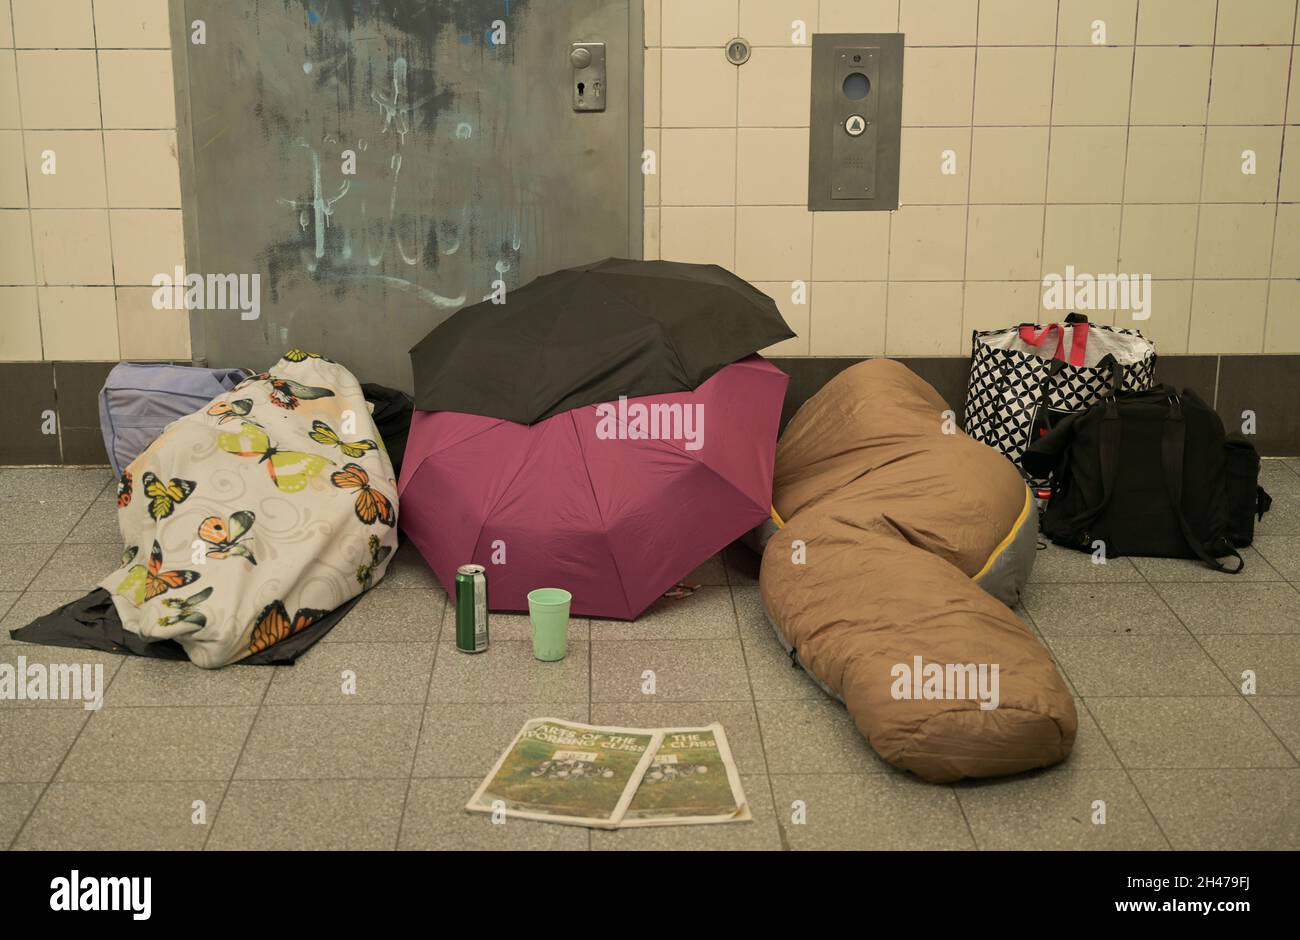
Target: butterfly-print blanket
(253, 518)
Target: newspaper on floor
(692, 780)
(610, 777)
(567, 772)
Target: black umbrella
(590, 334)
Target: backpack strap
(1108, 363)
(1263, 502)
(1116, 370)
(1172, 446)
(1111, 426)
(1054, 368)
(1108, 454)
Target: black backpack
(1247, 500)
(392, 413)
(1147, 474)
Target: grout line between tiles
(89, 715)
(1219, 666)
(234, 767)
(1047, 182)
(57, 545)
(765, 699)
(905, 777)
(970, 830)
(1128, 146)
(108, 215)
(735, 209)
(1196, 234)
(1277, 193)
(1254, 700)
(843, 280)
(31, 220)
(970, 178)
(419, 732)
(46, 786)
(1124, 767)
(758, 724)
(1083, 700)
(758, 718)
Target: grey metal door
(381, 164)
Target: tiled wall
(1120, 157)
(91, 84)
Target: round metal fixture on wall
(856, 86)
(738, 51)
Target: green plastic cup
(548, 610)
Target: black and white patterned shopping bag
(1025, 378)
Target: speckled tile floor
(256, 757)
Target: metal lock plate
(590, 89)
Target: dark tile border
(1268, 386)
(70, 390)
(1199, 373)
(948, 374)
(82, 446)
(78, 385)
(26, 394)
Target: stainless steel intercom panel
(856, 121)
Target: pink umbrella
(614, 502)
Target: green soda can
(471, 609)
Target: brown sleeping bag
(892, 518)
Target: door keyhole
(587, 80)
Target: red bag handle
(1078, 347)
(1029, 334)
